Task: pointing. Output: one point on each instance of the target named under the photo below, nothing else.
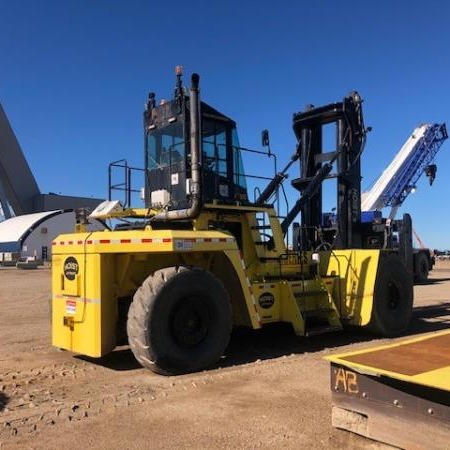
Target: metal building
(33, 234)
(19, 190)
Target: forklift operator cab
(168, 156)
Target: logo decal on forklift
(266, 300)
(70, 268)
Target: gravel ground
(270, 391)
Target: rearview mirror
(265, 138)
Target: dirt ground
(270, 391)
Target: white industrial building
(33, 234)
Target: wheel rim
(190, 322)
(393, 296)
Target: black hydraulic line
(276, 181)
(310, 190)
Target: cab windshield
(166, 146)
(216, 152)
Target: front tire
(393, 298)
(179, 321)
(422, 268)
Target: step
(317, 312)
(322, 330)
(272, 258)
(301, 294)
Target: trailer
(397, 394)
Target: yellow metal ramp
(398, 394)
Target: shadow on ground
(277, 340)
(432, 311)
(247, 346)
(120, 359)
(430, 318)
(4, 399)
(430, 281)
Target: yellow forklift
(173, 278)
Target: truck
(173, 278)
(398, 181)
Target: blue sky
(74, 76)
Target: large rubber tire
(422, 268)
(179, 321)
(393, 298)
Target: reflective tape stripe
(146, 241)
(77, 299)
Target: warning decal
(71, 306)
(183, 244)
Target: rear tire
(422, 268)
(179, 321)
(393, 298)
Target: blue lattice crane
(400, 178)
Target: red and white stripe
(145, 241)
(77, 299)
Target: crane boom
(419, 241)
(400, 177)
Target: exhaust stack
(196, 191)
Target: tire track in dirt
(51, 395)
(48, 395)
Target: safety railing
(124, 184)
